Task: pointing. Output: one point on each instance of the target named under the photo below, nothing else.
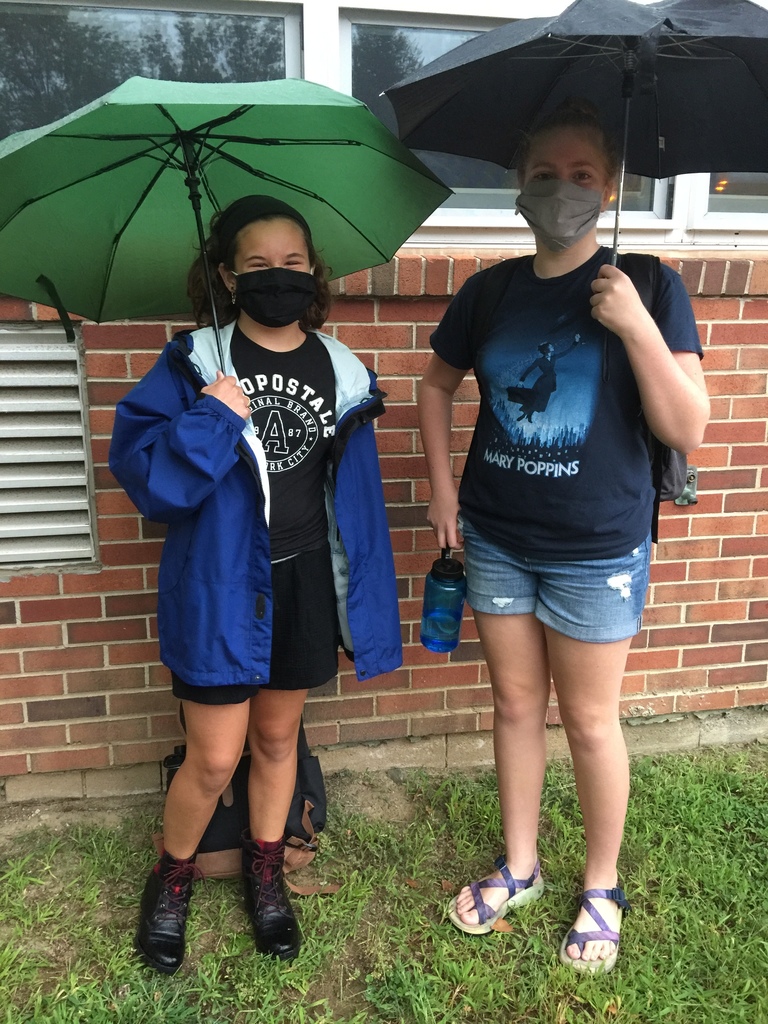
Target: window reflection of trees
(54, 60)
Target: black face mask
(275, 297)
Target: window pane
(381, 56)
(738, 193)
(54, 59)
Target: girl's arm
(435, 400)
(672, 388)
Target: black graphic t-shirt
(558, 467)
(293, 403)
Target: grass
(694, 950)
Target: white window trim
(318, 48)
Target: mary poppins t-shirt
(558, 467)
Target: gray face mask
(559, 212)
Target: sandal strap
(513, 885)
(618, 896)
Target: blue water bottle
(444, 591)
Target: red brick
(119, 528)
(63, 659)
(398, 389)
(731, 525)
(29, 586)
(716, 309)
(723, 568)
(475, 697)
(101, 364)
(712, 655)
(105, 679)
(710, 701)
(104, 581)
(410, 703)
(714, 277)
(428, 676)
(11, 714)
(665, 615)
(71, 759)
(352, 310)
(754, 309)
(758, 610)
(65, 709)
(381, 729)
(13, 764)
(735, 432)
(737, 277)
(736, 334)
(30, 636)
(713, 611)
(131, 553)
(655, 659)
(677, 679)
(410, 274)
(32, 737)
(737, 675)
(463, 268)
(10, 664)
(106, 631)
(725, 632)
(115, 731)
(128, 336)
(437, 274)
(403, 363)
(133, 654)
(642, 706)
(438, 725)
(684, 593)
(377, 336)
(752, 695)
(748, 408)
(350, 684)
(322, 735)
(145, 702)
(754, 502)
(734, 589)
(405, 310)
(106, 392)
(58, 609)
(680, 636)
(756, 652)
(32, 686)
(337, 710)
(114, 503)
(15, 309)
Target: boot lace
(176, 883)
(267, 867)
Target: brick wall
(81, 685)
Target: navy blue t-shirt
(558, 467)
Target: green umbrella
(97, 204)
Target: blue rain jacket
(187, 460)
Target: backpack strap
(495, 281)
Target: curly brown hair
(226, 310)
(573, 112)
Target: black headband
(250, 208)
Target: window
(45, 508)
(738, 193)
(55, 58)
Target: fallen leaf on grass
(446, 886)
(502, 926)
(412, 882)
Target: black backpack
(669, 468)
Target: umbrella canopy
(695, 73)
(98, 203)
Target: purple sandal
(602, 934)
(520, 892)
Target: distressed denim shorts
(596, 600)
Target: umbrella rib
(119, 234)
(265, 176)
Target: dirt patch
(57, 815)
(381, 796)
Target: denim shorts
(597, 600)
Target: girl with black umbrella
(555, 510)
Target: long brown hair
(580, 114)
(226, 310)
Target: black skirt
(305, 633)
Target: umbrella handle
(193, 184)
(627, 90)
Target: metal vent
(45, 513)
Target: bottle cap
(447, 568)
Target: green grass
(694, 950)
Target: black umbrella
(684, 84)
